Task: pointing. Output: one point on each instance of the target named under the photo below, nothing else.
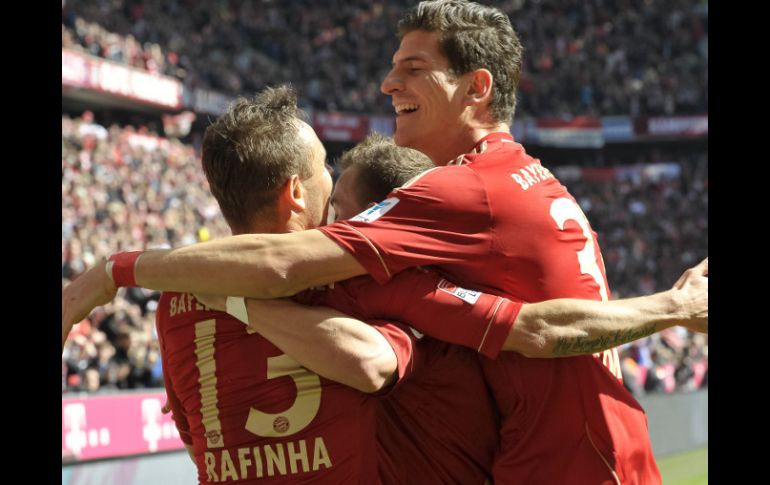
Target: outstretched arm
(254, 265)
(250, 265)
(566, 327)
(554, 328)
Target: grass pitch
(690, 468)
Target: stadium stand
(599, 57)
(126, 187)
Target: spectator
(597, 57)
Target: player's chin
(404, 136)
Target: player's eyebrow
(407, 59)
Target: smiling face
(427, 98)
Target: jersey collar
(493, 137)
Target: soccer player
(489, 217)
(248, 410)
(370, 171)
(367, 172)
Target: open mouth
(406, 108)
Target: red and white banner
(579, 132)
(340, 126)
(83, 71)
(116, 425)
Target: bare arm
(249, 265)
(327, 342)
(254, 265)
(567, 327)
(555, 328)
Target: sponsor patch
(376, 211)
(469, 296)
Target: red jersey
(439, 424)
(496, 220)
(252, 414)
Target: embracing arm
(325, 341)
(554, 328)
(250, 265)
(566, 327)
(254, 265)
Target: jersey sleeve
(439, 308)
(441, 217)
(403, 341)
(430, 304)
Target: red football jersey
(252, 413)
(496, 220)
(439, 424)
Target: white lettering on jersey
(530, 175)
(376, 211)
(269, 459)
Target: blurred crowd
(126, 188)
(582, 57)
(652, 221)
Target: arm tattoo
(581, 345)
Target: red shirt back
(496, 220)
(252, 413)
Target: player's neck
(277, 227)
(441, 154)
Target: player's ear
(292, 194)
(478, 90)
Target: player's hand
(166, 408)
(218, 303)
(691, 292)
(89, 290)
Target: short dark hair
(473, 36)
(383, 166)
(251, 151)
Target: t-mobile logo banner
(116, 425)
